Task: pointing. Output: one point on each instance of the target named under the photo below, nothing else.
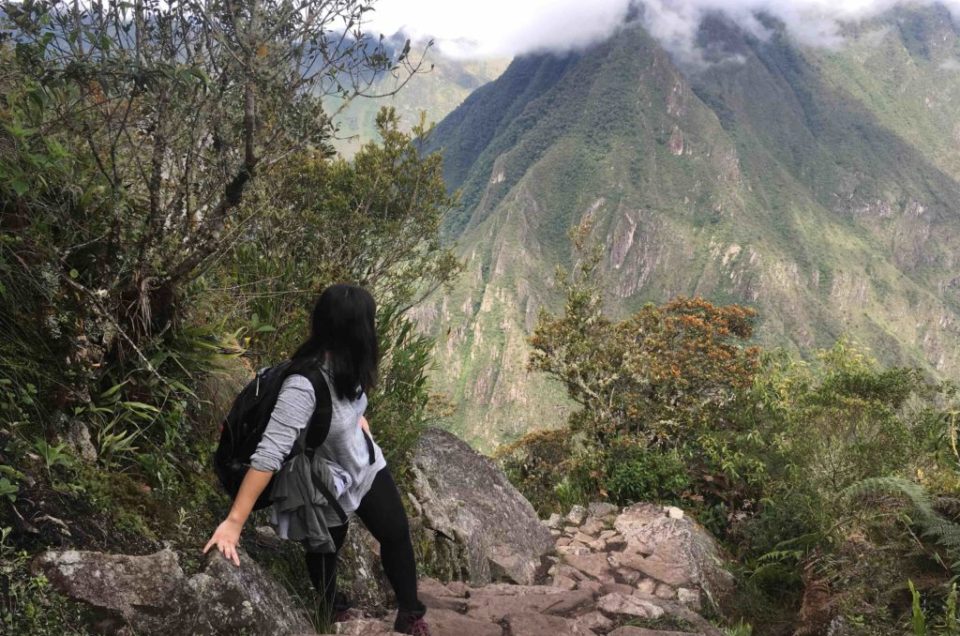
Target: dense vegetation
(169, 208)
(836, 475)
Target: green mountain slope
(441, 85)
(764, 179)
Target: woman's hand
(226, 537)
(365, 425)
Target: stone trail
(598, 571)
(611, 572)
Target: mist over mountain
(817, 184)
(505, 28)
(438, 86)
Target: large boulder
(668, 546)
(360, 573)
(465, 496)
(152, 595)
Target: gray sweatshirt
(345, 449)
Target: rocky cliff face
(788, 179)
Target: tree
(658, 392)
(372, 221)
(134, 131)
(662, 374)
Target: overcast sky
(499, 28)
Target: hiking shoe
(411, 622)
(417, 627)
(344, 615)
(342, 610)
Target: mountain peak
(773, 175)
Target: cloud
(503, 28)
(816, 23)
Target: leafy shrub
(635, 473)
(538, 464)
(399, 406)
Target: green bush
(635, 473)
(538, 464)
(399, 407)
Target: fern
(791, 550)
(950, 612)
(778, 556)
(918, 620)
(943, 531)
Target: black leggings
(381, 511)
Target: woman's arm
(227, 535)
(291, 414)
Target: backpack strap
(322, 487)
(317, 429)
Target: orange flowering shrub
(661, 374)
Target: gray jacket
(303, 489)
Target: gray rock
(151, 595)
(689, 598)
(436, 595)
(664, 591)
(573, 549)
(673, 512)
(533, 624)
(554, 521)
(245, 599)
(601, 509)
(445, 622)
(120, 586)
(360, 555)
(465, 496)
(364, 627)
(618, 604)
(592, 526)
(78, 438)
(676, 551)
(594, 564)
(583, 538)
(564, 582)
(494, 604)
(595, 621)
(646, 587)
(266, 536)
(219, 387)
(576, 515)
(667, 570)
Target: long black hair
(343, 325)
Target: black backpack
(244, 425)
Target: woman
(343, 340)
